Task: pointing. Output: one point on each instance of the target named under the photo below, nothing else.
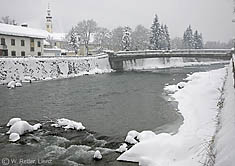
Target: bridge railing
(182, 51)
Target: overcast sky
(213, 18)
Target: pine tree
(188, 38)
(155, 34)
(168, 40)
(126, 39)
(162, 38)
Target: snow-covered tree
(188, 38)
(73, 40)
(155, 34)
(103, 37)
(177, 43)
(140, 38)
(168, 40)
(8, 20)
(198, 43)
(126, 39)
(116, 38)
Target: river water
(108, 105)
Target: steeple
(49, 20)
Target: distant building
(54, 45)
(21, 41)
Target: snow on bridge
(116, 58)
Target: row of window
(13, 43)
(13, 53)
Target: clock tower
(49, 20)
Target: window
(31, 44)
(13, 42)
(39, 53)
(39, 44)
(3, 42)
(13, 53)
(22, 53)
(22, 43)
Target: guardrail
(181, 51)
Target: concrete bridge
(116, 58)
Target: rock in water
(97, 155)
(122, 148)
(20, 128)
(14, 137)
(11, 84)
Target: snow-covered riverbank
(197, 102)
(224, 140)
(34, 69)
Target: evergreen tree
(168, 40)
(162, 38)
(198, 43)
(188, 38)
(155, 34)
(126, 39)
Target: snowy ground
(197, 102)
(224, 140)
(34, 69)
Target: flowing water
(108, 105)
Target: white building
(21, 41)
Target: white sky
(213, 18)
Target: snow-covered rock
(68, 124)
(181, 85)
(22, 127)
(13, 137)
(37, 126)
(18, 84)
(131, 140)
(97, 155)
(12, 121)
(145, 135)
(122, 148)
(11, 85)
(133, 133)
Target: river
(109, 105)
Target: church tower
(49, 20)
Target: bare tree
(84, 29)
(103, 37)
(140, 38)
(8, 20)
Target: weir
(116, 59)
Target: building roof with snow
(13, 30)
